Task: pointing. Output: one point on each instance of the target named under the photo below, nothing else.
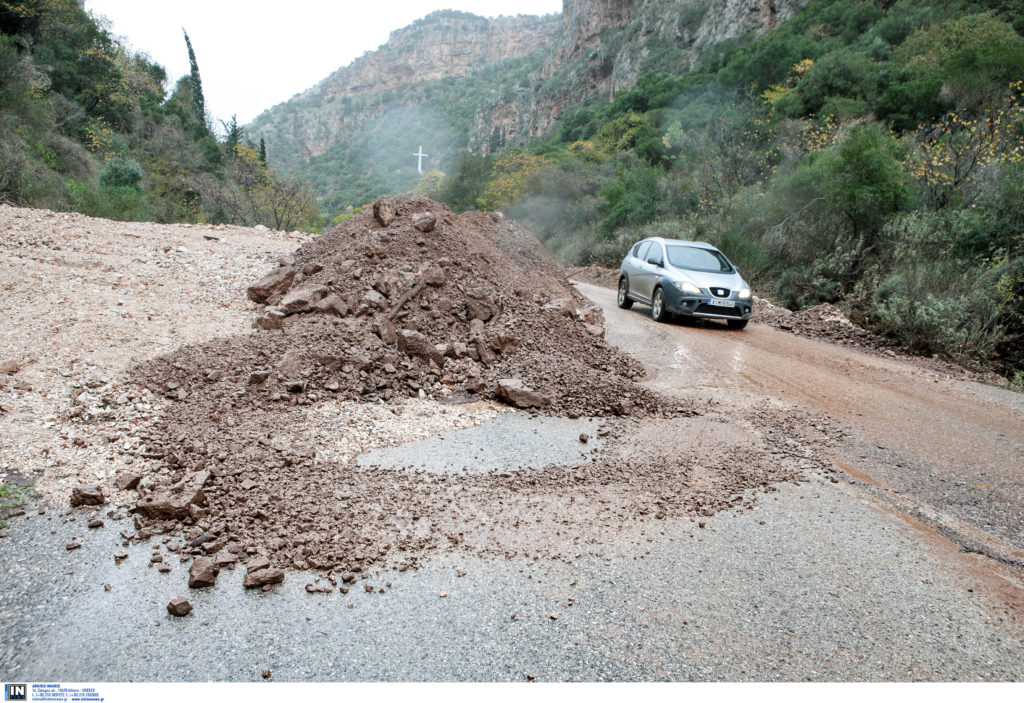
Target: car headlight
(687, 287)
(744, 293)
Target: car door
(635, 268)
(650, 270)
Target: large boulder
(274, 283)
(172, 504)
(303, 298)
(87, 495)
(515, 392)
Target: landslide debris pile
(407, 300)
(413, 297)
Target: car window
(654, 255)
(640, 250)
(697, 259)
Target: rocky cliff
(453, 81)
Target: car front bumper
(681, 303)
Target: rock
(434, 275)
(516, 393)
(584, 438)
(332, 305)
(385, 329)
(416, 344)
(202, 573)
(224, 558)
(303, 298)
(594, 330)
(384, 211)
(127, 481)
(120, 555)
(563, 306)
(292, 364)
(87, 495)
(425, 222)
(270, 321)
(257, 564)
(170, 505)
(10, 367)
(266, 673)
(275, 283)
(95, 522)
(372, 299)
(258, 377)
(590, 314)
(263, 577)
(73, 545)
(179, 607)
(311, 588)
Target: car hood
(705, 279)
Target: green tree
(198, 100)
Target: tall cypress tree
(197, 84)
(263, 151)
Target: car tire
(737, 324)
(624, 301)
(658, 311)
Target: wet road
(819, 581)
(948, 449)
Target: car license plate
(722, 303)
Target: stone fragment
(9, 367)
(95, 522)
(274, 283)
(384, 211)
(425, 222)
(179, 607)
(170, 504)
(594, 330)
(515, 392)
(263, 577)
(584, 438)
(416, 344)
(127, 481)
(266, 673)
(332, 304)
(257, 563)
(434, 275)
(73, 545)
(202, 573)
(87, 495)
(303, 298)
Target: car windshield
(697, 259)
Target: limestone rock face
(535, 68)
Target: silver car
(675, 276)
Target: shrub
(120, 172)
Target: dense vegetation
(867, 153)
(87, 125)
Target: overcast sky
(253, 54)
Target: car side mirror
(655, 261)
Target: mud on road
(936, 445)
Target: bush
(120, 172)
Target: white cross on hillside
(419, 163)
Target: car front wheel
(625, 302)
(658, 311)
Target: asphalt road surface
(907, 569)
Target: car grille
(720, 292)
(715, 310)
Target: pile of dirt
(409, 300)
(414, 298)
(824, 321)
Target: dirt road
(945, 450)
